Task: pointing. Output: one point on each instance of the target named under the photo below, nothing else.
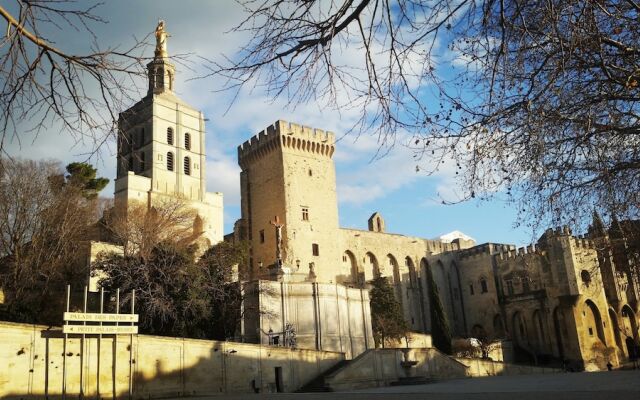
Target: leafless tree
(44, 223)
(41, 83)
(534, 98)
(140, 228)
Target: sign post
(100, 323)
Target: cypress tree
(387, 319)
(440, 332)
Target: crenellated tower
(288, 173)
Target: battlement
(288, 135)
(583, 242)
(484, 250)
(559, 231)
(522, 253)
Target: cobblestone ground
(619, 385)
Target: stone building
(561, 299)
(161, 150)
(161, 156)
(566, 298)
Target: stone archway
(593, 321)
(520, 334)
(393, 269)
(424, 301)
(538, 327)
(629, 323)
(560, 330)
(616, 330)
(349, 263)
(629, 327)
(408, 262)
(371, 266)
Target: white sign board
(105, 330)
(97, 317)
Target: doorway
(279, 383)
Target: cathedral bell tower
(161, 148)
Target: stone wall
(32, 365)
(325, 316)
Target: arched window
(170, 135)
(483, 285)
(187, 141)
(170, 161)
(158, 75)
(187, 166)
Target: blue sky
(408, 200)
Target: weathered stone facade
(161, 152)
(540, 297)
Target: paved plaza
(618, 385)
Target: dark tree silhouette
(387, 320)
(440, 332)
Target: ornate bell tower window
(187, 166)
(170, 161)
(170, 136)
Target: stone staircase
(318, 384)
(384, 367)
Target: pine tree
(83, 175)
(388, 322)
(440, 332)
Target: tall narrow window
(187, 166)
(170, 161)
(305, 213)
(262, 236)
(170, 135)
(510, 287)
(483, 286)
(187, 141)
(142, 166)
(471, 289)
(315, 249)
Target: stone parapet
(283, 134)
